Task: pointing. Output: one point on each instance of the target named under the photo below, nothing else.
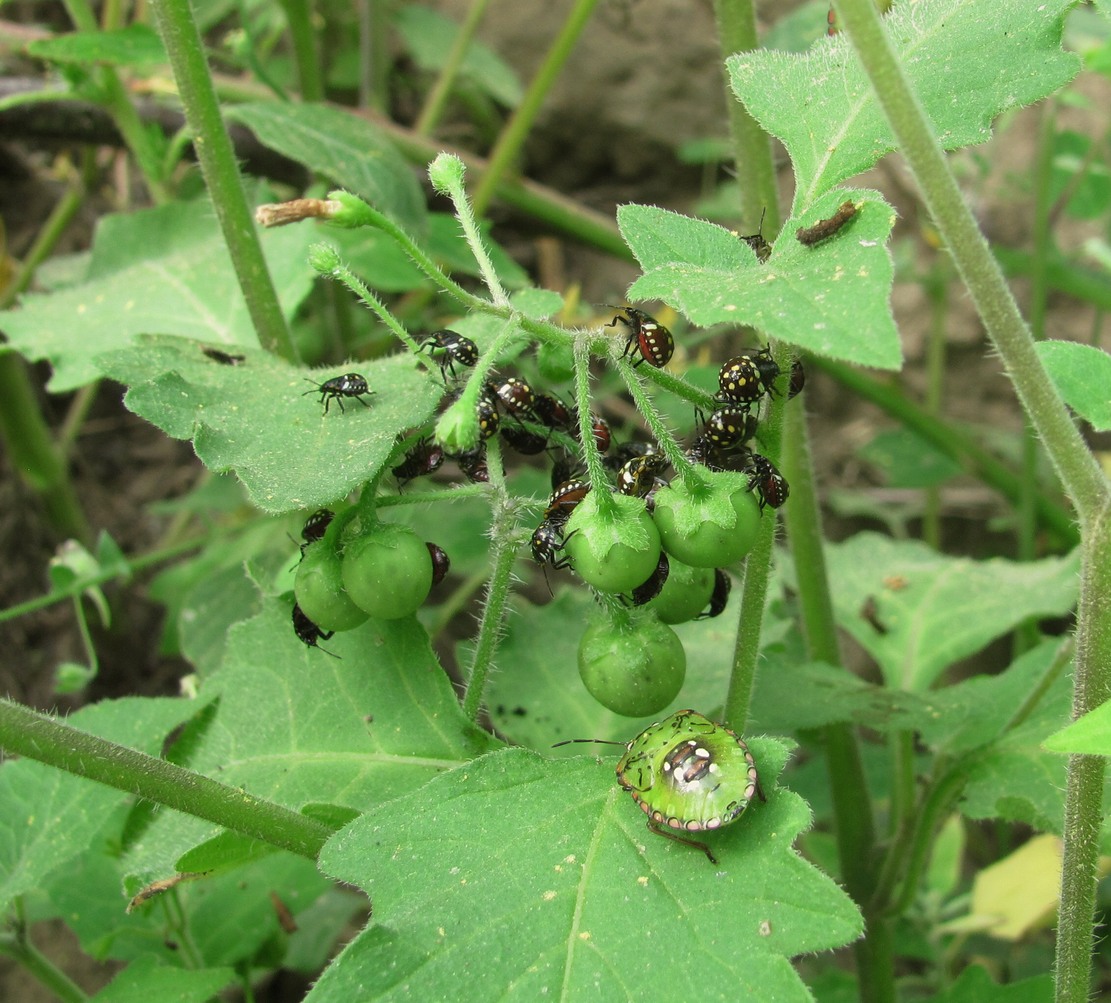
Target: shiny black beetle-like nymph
(338, 387)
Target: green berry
(708, 522)
(635, 669)
(320, 592)
(685, 593)
(388, 572)
(612, 542)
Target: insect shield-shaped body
(740, 382)
(689, 774)
(765, 479)
(338, 387)
(308, 632)
(425, 457)
(451, 348)
(651, 340)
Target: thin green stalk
(448, 174)
(1079, 472)
(753, 161)
(750, 621)
(303, 35)
(658, 430)
(221, 174)
(937, 289)
(324, 258)
(951, 441)
(516, 130)
(852, 804)
(33, 452)
(441, 90)
(909, 855)
(25, 732)
(342, 274)
(40, 461)
(41, 968)
(595, 470)
(506, 535)
(134, 565)
(1084, 788)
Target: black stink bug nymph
(688, 774)
(338, 387)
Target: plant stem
(1079, 472)
(299, 16)
(1084, 790)
(20, 949)
(441, 90)
(753, 162)
(23, 429)
(506, 535)
(595, 470)
(852, 804)
(951, 441)
(750, 622)
(447, 173)
(27, 733)
(33, 452)
(516, 130)
(75, 588)
(221, 174)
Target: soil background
(642, 80)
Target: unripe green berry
(612, 542)
(710, 522)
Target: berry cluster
(349, 572)
(654, 542)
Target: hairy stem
(221, 174)
(27, 733)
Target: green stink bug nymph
(688, 774)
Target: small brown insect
(811, 235)
(869, 613)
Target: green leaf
(226, 849)
(298, 727)
(50, 817)
(1082, 375)
(148, 979)
(541, 875)
(253, 418)
(975, 985)
(966, 62)
(429, 37)
(830, 299)
(1090, 735)
(916, 611)
(790, 696)
(907, 460)
(349, 150)
(137, 45)
(163, 270)
(228, 917)
(1007, 772)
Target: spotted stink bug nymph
(688, 774)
